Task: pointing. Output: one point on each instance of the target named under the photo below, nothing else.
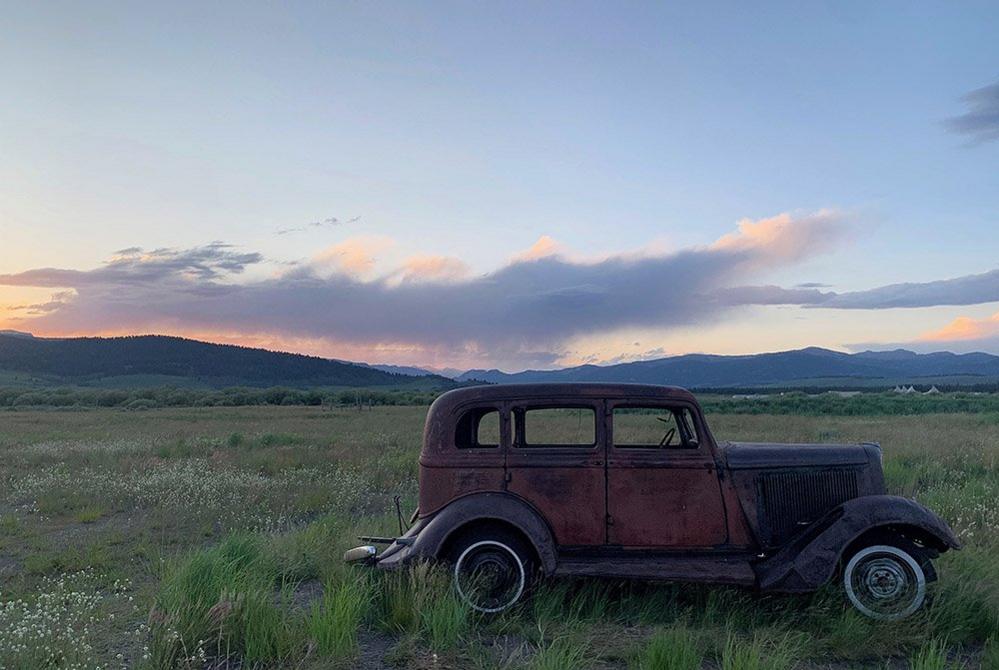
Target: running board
(714, 569)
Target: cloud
(973, 289)
(967, 290)
(965, 328)
(330, 222)
(981, 122)
(525, 310)
(545, 247)
(772, 295)
(432, 269)
(785, 238)
(964, 334)
(133, 266)
(354, 256)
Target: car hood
(757, 455)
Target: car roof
(438, 434)
(561, 390)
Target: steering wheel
(668, 437)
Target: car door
(662, 486)
(556, 463)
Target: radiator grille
(791, 500)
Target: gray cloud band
(981, 122)
(526, 306)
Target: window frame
(518, 417)
(701, 454)
(476, 447)
(683, 425)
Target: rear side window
(478, 428)
(638, 427)
(558, 427)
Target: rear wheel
(885, 582)
(493, 569)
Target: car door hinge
(610, 520)
(508, 477)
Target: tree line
(808, 404)
(150, 398)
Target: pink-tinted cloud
(354, 256)
(963, 334)
(785, 238)
(544, 247)
(521, 313)
(432, 269)
(965, 328)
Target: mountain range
(812, 366)
(153, 360)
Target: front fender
(810, 559)
(428, 536)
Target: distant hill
(16, 333)
(407, 370)
(450, 373)
(804, 367)
(151, 360)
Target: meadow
(211, 537)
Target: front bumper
(402, 551)
(364, 554)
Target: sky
(504, 185)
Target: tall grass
(761, 652)
(235, 601)
(565, 652)
(671, 649)
(333, 622)
(220, 602)
(422, 601)
(931, 656)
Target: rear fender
(428, 537)
(810, 559)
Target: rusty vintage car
(626, 481)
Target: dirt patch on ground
(374, 648)
(9, 566)
(72, 532)
(306, 593)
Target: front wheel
(492, 571)
(885, 582)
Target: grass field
(211, 538)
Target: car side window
(557, 427)
(478, 428)
(650, 427)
